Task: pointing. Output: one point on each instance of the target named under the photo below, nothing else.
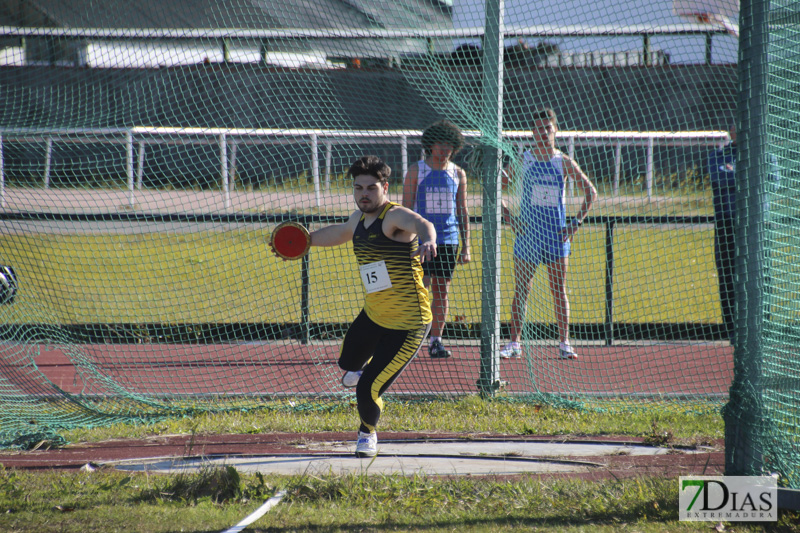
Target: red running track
(290, 368)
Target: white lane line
(258, 513)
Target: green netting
(761, 416)
(149, 150)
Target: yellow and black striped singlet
(405, 305)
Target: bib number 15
(375, 277)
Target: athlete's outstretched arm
(336, 234)
(405, 225)
(427, 238)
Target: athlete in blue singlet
(543, 235)
(436, 188)
(543, 202)
(436, 198)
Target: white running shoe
(350, 379)
(367, 444)
(565, 351)
(512, 350)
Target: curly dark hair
(442, 132)
(372, 165)
(545, 113)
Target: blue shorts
(541, 247)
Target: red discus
(290, 240)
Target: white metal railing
(509, 31)
(137, 138)
(223, 37)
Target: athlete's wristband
(576, 222)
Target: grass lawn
(217, 498)
(660, 275)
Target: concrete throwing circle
(442, 458)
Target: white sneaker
(350, 379)
(565, 351)
(367, 445)
(512, 350)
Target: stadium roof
(245, 13)
(250, 14)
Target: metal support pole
(140, 167)
(129, 167)
(743, 414)
(404, 154)
(263, 50)
(649, 170)
(48, 159)
(223, 164)
(328, 160)
(315, 167)
(305, 314)
(609, 323)
(2, 176)
(489, 379)
(226, 50)
(232, 164)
